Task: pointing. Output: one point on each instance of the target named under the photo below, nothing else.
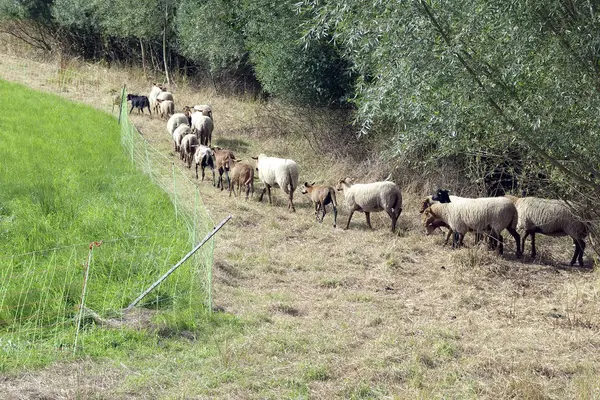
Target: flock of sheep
(191, 132)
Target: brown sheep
(321, 195)
(242, 174)
(223, 163)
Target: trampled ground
(332, 313)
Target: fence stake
(121, 105)
(188, 255)
(83, 290)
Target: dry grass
(347, 314)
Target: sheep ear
(313, 184)
(254, 158)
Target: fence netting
(41, 292)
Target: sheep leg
(578, 255)
(517, 237)
(228, 180)
(263, 193)
(581, 249)
(349, 218)
(394, 218)
(334, 215)
(323, 216)
(317, 205)
(269, 193)
(533, 250)
(500, 244)
(368, 216)
(197, 172)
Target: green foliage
(475, 79)
(209, 33)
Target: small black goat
(138, 102)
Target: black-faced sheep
(242, 174)
(479, 215)
(139, 102)
(552, 218)
(188, 148)
(321, 195)
(203, 127)
(166, 108)
(372, 197)
(204, 157)
(277, 172)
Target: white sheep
(552, 218)
(203, 127)
(204, 157)
(178, 135)
(444, 198)
(166, 108)
(177, 119)
(154, 92)
(188, 148)
(372, 197)
(479, 215)
(162, 96)
(277, 172)
(205, 109)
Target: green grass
(65, 181)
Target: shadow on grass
(235, 145)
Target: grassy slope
(65, 183)
(349, 314)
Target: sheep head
(344, 182)
(442, 195)
(306, 187)
(425, 204)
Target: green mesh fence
(41, 292)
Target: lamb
(479, 215)
(241, 174)
(277, 172)
(154, 92)
(552, 218)
(321, 195)
(188, 148)
(139, 102)
(223, 161)
(203, 127)
(372, 197)
(166, 108)
(178, 119)
(178, 135)
(204, 157)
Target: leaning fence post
(188, 255)
(83, 292)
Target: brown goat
(321, 195)
(242, 174)
(223, 162)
